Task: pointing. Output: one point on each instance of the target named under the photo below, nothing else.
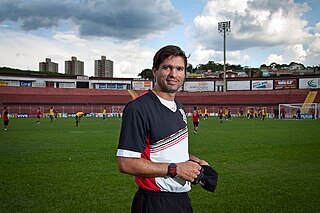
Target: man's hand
(188, 170)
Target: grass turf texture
(264, 166)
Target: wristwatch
(172, 170)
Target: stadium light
(224, 28)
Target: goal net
(299, 111)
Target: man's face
(170, 75)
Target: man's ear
(154, 72)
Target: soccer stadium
(269, 165)
(165, 106)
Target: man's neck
(165, 95)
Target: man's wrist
(172, 170)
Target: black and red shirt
(155, 132)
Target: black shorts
(195, 124)
(6, 123)
(158, 202)
(38, 116)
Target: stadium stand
(25, 96)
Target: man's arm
(141, 167)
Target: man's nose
(173, 72)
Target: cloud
(256, 23)
(274, 58)
(124, 20)
(292, 53)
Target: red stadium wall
(28, 99)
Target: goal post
(300, 110)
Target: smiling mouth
(173, 82)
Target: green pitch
(264, 166)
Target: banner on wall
(49, 84)
(26, 83)
(202, 86)
(102, 86)
(309, 83)
(262, 85)
(238, 85)
(141, 85)
(285, 84)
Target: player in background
(104, 113)
(51, 114)
(220, 113)
(38, 115)
(199, 113)
(55, 114)
(255, 113)
(283, 113)
(79, 115)
(206, 114)
(294, 115)
(229, 114)
(248, 113)
(299, 114)
(5, 118)
(119, 113)
(226, 113)
(313, 114)
(241, 113)
(263, 114)
(195, 119)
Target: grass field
(264, 166)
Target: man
(38, 114)
(153, 144)
(55, 114)
(195, 120)
(206, 114)
(299, 114)
(220, 113)
(200, 113)
(283, 113)
(263, 114)
(119, 113)
(226, 113)
(51, 114)
(5, 118)
(104, 113)
(79, 115)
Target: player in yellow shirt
(79, 115)
(263, 114)
(200, 113)
(249, 114)
(294, 115)
(206, 114)
(104, 112)
(51, 114)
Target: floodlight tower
(224, 29)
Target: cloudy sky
(129, 32)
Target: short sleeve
(133, 130)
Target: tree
(146, 74)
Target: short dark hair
(167, 51)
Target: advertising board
(262, 85)
(309, 83)
(285, 84)
(201, 86)
(141, 85)
(238, 85)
